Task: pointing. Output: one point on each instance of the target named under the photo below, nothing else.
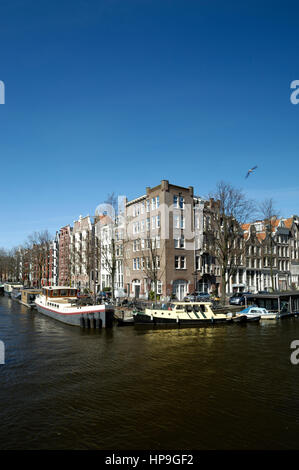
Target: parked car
(120, 294)
(103, 296)
(190, 298)
(197, 297)
(238, 298)
(202, 296)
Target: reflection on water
(219, 387)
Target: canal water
(218, 387)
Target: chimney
(164, 185)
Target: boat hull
(125, 322)
(144, 319)
(100, 319)
(239, 319)
(253, 319)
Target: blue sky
(115, 95)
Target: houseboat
(28, 297)
(16, 293)
(62, 303)
(181, 314)
(283, 304)
(9, 286)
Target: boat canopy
(59, 291)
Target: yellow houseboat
(181, 314)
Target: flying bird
(250, 171)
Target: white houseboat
(181, 314)
(62, 303)
(10, 286)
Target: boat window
(56, 293)
(63, 292)
(202, 308)
(188, 308)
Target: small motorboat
(263, 312)
(253, 314)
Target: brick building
(64, 270)
(164, 242)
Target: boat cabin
(28, 296)
(191, 307)
(59, 292)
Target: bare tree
(270, 218)
(108, 234)
(39, 243)
(229, 209)
(8, 265)
(152, 249)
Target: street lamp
(195, 280)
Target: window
(180, 262)
(157, 202)
(148, 223)
(142, 207)
(147, 205)
(142, 225)
(179, 242)
(181, 202)
(153, 222)
(158, 221)
(175, 201)
(153, 204)
(136, 264)
(182, 221)
(176, 221)
(157, 262)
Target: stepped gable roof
(288, 222)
